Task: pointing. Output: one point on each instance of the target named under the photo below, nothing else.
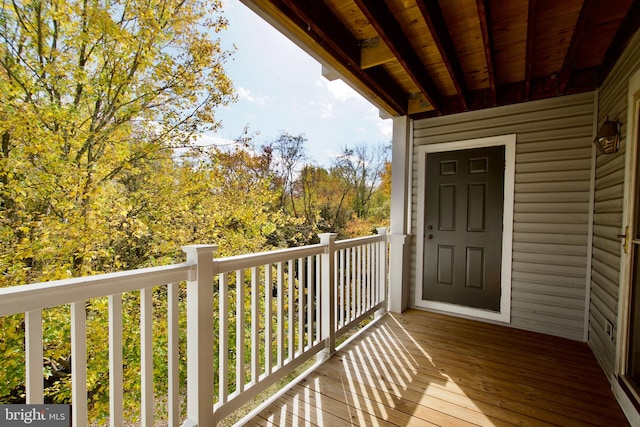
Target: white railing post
(382, 272)
(200, 336)
(327, 294)
(399, 272)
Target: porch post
(399, 238)
(200, 336)
(382, 272)
(327, 294)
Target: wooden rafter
(576, 40)
(333, 36)
(531, 32)
(391, 33)
(432, 15)
(369, 44)
(373, 52)
(487, 39)
(627, 29)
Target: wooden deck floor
(423, 369)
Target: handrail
(241, 262)
(36, 296)
(357, 241)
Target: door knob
(430, 236)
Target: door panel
(476, 207)
(475, 268)
(464, 197)
(447, 214)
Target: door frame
(630, 196)
(509, 142)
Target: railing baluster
(146, 356)
(34, 357)
(349, 303)
(317, 298)
(369, 278)
(374, 272)
(115, 361)
(79, 364)
(339, 280)
(280, 321)
(255, 330)
(310, 299)
(344, 282)
(362, 281)
(173, 355)
(336, 289)
(365, 280)
(338, 283)
(354, 287)
(268, 325)
(223, 338)
(301, 286)
(291, 315)
(359, 280)
(239, 331)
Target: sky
(281, 88)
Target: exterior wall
(551, 209)
(608, 216)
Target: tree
(325, 197)
(89, 89)
(94, 98)
(362, 168)
(380, 203)
(289, 153)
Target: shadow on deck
(420, 368)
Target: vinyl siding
(608, 216)
(551, 209)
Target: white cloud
(338, 89)
(326, 111)
(245, 94)
(208, 140)
(385, 129)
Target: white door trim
(631, 147)
(509, 142)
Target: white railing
(264, 314)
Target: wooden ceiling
(433, 57)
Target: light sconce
(608, 137)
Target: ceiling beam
(432, 15)
(629, 26)
(374, 52)
(576, 40)
(390, 31)
(487, 39)
(326, 29)
(528, 65)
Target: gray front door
(463, 227)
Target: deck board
(424, 369)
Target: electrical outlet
(608, 329)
